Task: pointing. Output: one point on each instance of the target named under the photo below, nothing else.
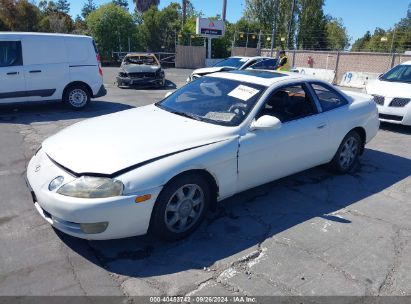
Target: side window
(329, 99)
(10, 53)
(269, 64)
(289, 103)
(250, 63)
(266, 64)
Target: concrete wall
(243, 51)
(343, 62)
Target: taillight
(100, 71)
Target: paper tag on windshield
(220, 116)
(243, 59)
(243, 92)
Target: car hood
(389, 89)
(139, 68)
(114, 142)
(204, 71)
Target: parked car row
(232, 127)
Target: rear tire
(181, 207)
(347, 154)
(77, 96)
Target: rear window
(95, 47)
(328, 97)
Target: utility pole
(224, 9)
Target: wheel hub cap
(185, 208)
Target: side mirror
(266, 122)
(168, 94)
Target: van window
(39, 49)
(95, 47)
(10, 53)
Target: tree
(63, 6)
(121, 3)
(312, 25)
(337, 37)
(88, 7)
(276, 15)
(144, 5)
(160, 27)
(396, 39)
(111, 26)
(3, 26)
(361, 44)
(80, 26)
(19, 15)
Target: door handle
(321, 126)
(35, 71)
(12, 73)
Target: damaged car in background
(141, 69)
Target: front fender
(219, 159)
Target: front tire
(347, 154)
(77, 96)
(181, 207)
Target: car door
(45, 66)
(300, 143)
(12, 83)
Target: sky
(358, 16)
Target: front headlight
(92, 187)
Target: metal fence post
(337, 62)
(393, 59)
(233, 44)
(293, 65)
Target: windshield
(233, 62)
(215, 100)
(401, 73)
(147, 60)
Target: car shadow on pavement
(169, 85)
(395, 128)
(243, 222)
(29, 112)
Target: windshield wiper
(192, 116)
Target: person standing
(283, 62)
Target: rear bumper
(101, 92)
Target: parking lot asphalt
(312, 233)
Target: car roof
(41, 34)
(262, 77)
(253, 57)
(406, 63)
(140, 54)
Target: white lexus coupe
(160, 167)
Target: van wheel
(76, 96)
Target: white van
(37, 67)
